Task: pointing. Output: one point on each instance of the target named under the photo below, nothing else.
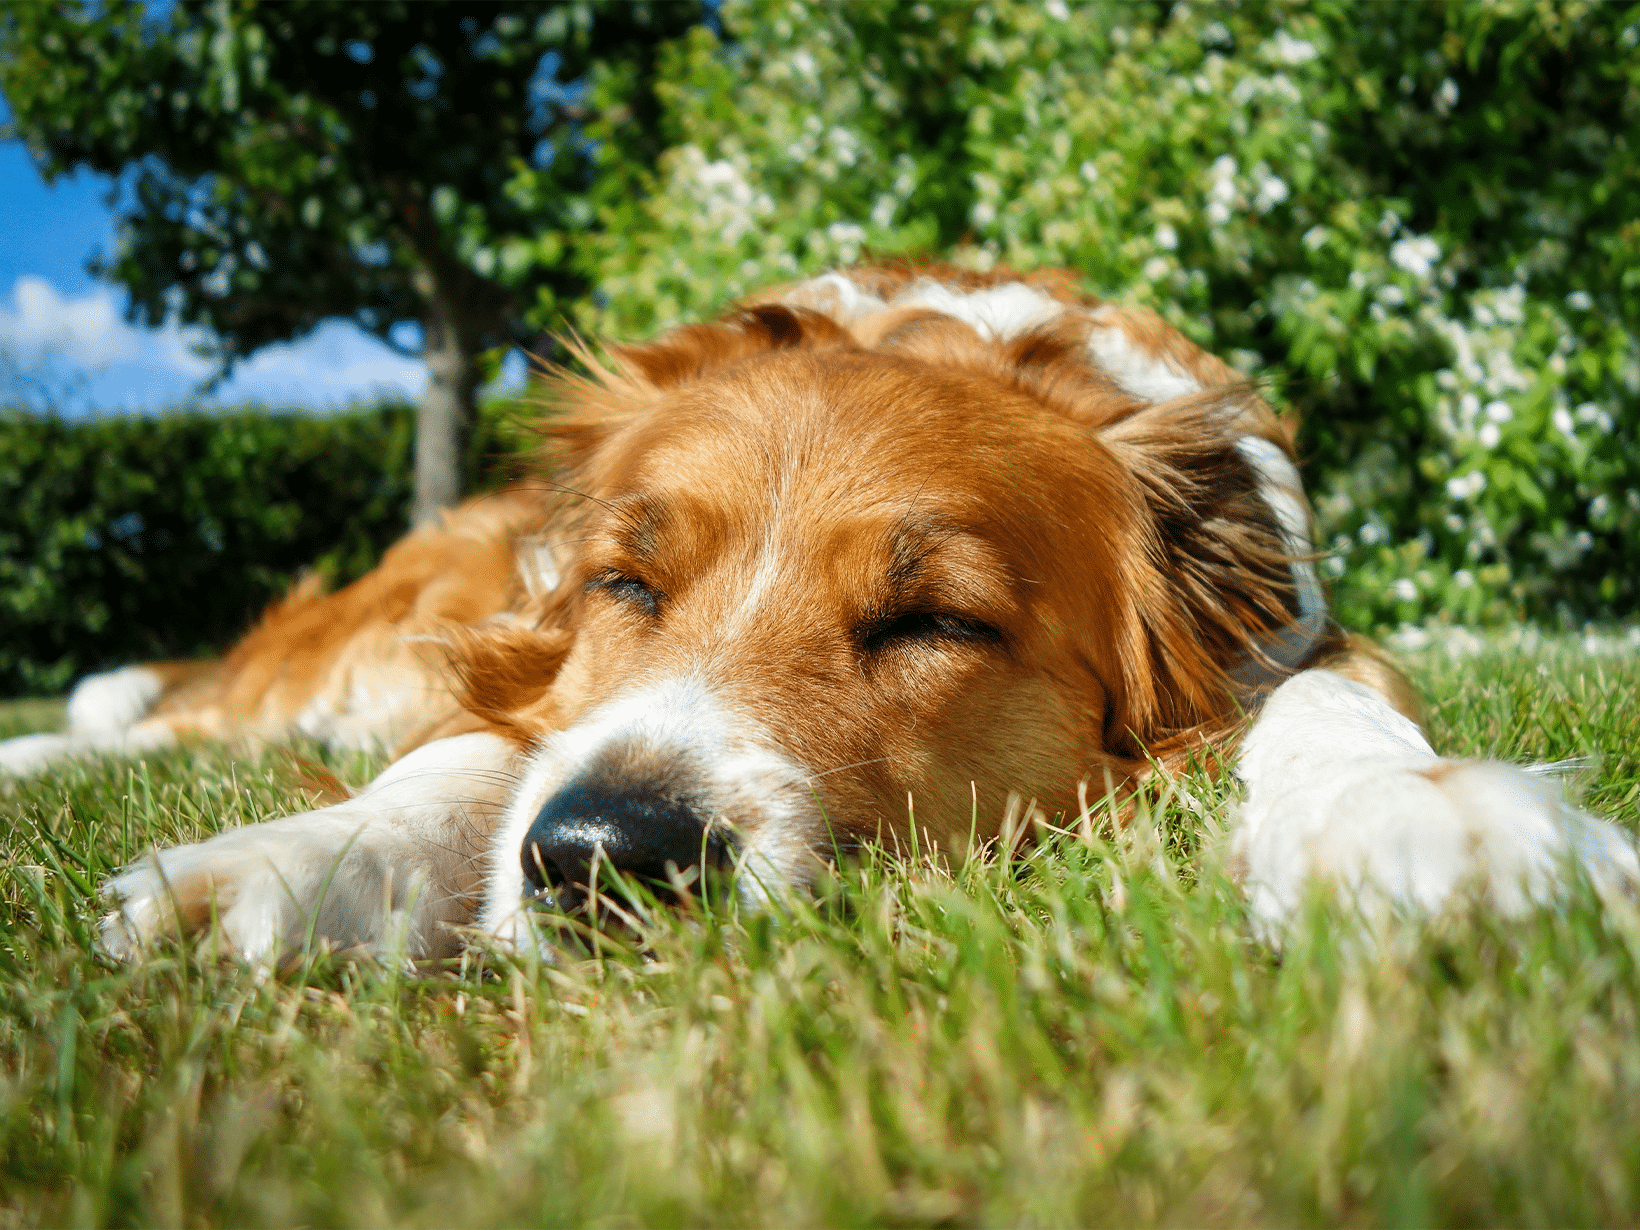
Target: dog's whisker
(843, 768)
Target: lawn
(1094, 1036)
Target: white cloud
(335, 363)
(86, 330)
(83, 341)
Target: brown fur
(1102, 563)
(1121, 549)
(313, 648)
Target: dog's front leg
(393, 869)
(1343, 788)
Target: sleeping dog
(892, 542)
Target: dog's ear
(505, 670)
(584, 409)
(1224, 585)
(693, 351)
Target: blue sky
(63, 333)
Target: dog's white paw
(268, 889)
(396, 869)
(1344, 790)
(112, 700)
(28, 754)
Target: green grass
(1092, 1038)
(21, 717)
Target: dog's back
(362, 667)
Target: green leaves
(1416, 221)
(163, 537)
(286, 163)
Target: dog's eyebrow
(916, 541)
(913, 543)
(639, 521)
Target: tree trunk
(444, 423)
(463, 313)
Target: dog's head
(824, 576)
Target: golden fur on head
(891, 547)
(1075, 569)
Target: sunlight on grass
(24, 717)
(1091, 1035)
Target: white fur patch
(1341, 788)
(386, 869)
(1139, 371)
(112, 700)
(834, 295)
(1282, 490)
(749, 784)
(537, 566)
(997, 312)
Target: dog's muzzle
(638, 832)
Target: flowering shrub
(1417, 225)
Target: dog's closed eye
(628, 590)
(908, 628)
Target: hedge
(131, 538)
(123, 539)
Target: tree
(386, 162)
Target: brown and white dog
(890, 542)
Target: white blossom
(1467, 486)
(1416, 255)
(1408, 638)
(1272, 191)
(1290, 50)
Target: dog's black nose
(639, 831)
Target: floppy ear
(1223, 591)
(505, 671)
(1227, 590)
